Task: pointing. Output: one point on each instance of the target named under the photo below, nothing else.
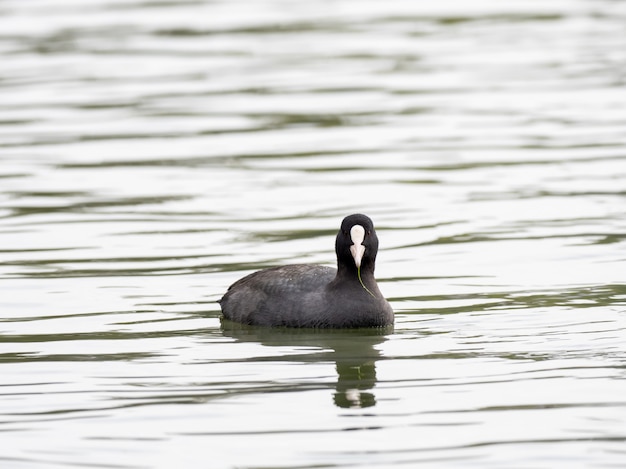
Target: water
(151, 153)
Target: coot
(305, 295)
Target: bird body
(304, 295)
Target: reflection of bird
(306, 295)
(355, 378)
(354, 353)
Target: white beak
(357, 234)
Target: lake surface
(153, 152)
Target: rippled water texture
(151, 153)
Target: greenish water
(151, 153)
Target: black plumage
(305, 295)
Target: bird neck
(350, 272)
